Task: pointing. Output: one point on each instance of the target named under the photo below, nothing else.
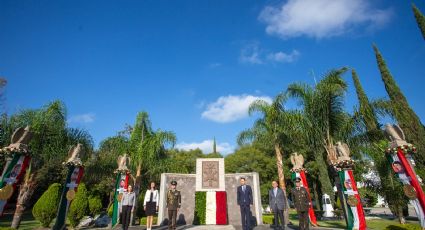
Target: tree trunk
(25, 193)
(280, 167)
(282, 185)
(316, 196)
(137, 184)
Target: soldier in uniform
(173, 205)
(301, 203)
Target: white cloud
(206, 147)
(231, 108)
(284, 57)
(250, 54)
(321, 18)
(82, 118)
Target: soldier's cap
(297, 179)
(173, 182)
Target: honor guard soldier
(173, 205)
(301, 203)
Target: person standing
(150, 204)
(244, 197)
(127, 205)
(277, 204)
(173, 205)
(301, 203)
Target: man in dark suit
(244, 194)
(301, 203)
(277, 204)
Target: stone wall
(186, 184)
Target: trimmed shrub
(95, 205)
(79, 206)
(45, 209)
(268, 219)
(200, 208)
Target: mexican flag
(355, 214)
(211, 207)
(121, 185)
(301, 174)
(408, 177)
(10, 177)
(75, 173)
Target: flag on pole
(121, 185)
(355, 215)
(11, 176)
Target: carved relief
(210, 175)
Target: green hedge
(45, 209)
(268, 219)
(79, 206)
(95, 205)
(200, 208)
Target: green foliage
(369, 197)
(95, 205)
(251, 159)
(403, 227)
(200, 208)
(79, 206)
(338, 203)
(407, 119)
(110, 210)
(420, 19)
(45, 209)
(325, 120)
(268, 219)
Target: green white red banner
(14, 170)
(355, 214)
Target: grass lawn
(379, 224)
(28, 222)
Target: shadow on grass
(28, 222)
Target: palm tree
(51, 141)
(147, 150)
(276, 127)
(326, 120)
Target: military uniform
(301, 203)
(173, 204)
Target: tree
(275, 125)
(251, 159)
(50, 144)
(420, 19)
(406, 117)
(374, 147)
(325, 119)
(147, 150)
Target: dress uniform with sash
(173, 204)
(301, 203)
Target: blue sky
(195, 66)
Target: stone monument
(210, 178)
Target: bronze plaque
(210, 177)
